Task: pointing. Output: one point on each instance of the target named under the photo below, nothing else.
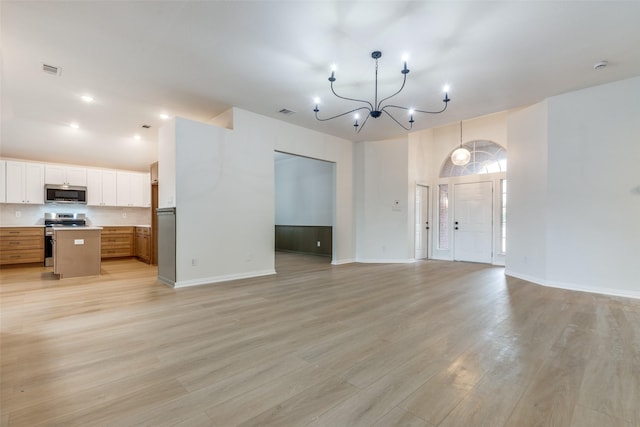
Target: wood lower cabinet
(117, 242)
(143, 244)
(19, 245)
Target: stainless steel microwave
(65, 194)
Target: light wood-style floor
(425, 344)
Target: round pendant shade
(460, 156)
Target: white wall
(223, 220)
(304, 191)
(592, 232)
(304, 142)
(383, 232)
(167, 165)
(224, 181)
(527, 192)
(594, 167)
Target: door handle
(426, 228)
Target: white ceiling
(197, 59)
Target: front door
(472, 226)
(422, 222)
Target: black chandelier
(376, 108)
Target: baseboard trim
(343, 261)
(223, 278)
(387, 261)
(575, 287)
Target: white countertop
(88, 226)
(123, 225)
(79, 228)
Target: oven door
(48, 250)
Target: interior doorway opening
(304, 205)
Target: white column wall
(167, 165)
(527, 193)
(384, 234)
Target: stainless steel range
(51, 220)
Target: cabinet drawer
(117, 230)
(116, 240)
(29, 242)
(21, 256)
(21, 231)
(115, 252)
(143, 231)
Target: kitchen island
(76, 251)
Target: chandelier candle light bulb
(376, 108)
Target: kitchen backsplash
(24, 215)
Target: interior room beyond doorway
(304, 205)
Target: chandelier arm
(416, 111)
(343, 114)
(363, 123)
(404, 80)
(394, 119)
(351, 99)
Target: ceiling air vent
(146, 126)
(286, 111)
(51, 69)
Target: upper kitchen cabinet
(25, 182)
(101, 187)
(132, 189)
(146, 190)
(65, 175)
(3, 181)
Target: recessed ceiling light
(136, 137)
(164, 116)
(74, 125)
(87, 98)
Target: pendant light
(460, 155)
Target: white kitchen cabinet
(25, 182)
(3, 181)
(130, 189)
(101, 187)
(146, 190)
(65, 175)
